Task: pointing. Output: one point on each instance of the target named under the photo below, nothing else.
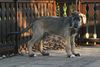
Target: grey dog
(66, 27)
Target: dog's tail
(23, 30)
(19, 33)
(27, 28)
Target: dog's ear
(83, 18)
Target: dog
(66, 27)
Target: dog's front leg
(72, 40)
(68, 47)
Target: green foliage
(72, 8)
(65, 9)
(57, 9)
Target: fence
(15, 16)
(89, 34)
(65, 7)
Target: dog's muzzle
(75, 25)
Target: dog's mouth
(75, 25)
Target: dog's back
(55, 25)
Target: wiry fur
(66, 27)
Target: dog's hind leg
(32, 42)
(37, 35)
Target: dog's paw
(45, 53)
(71, 56)
(32, 55)
(77, 54)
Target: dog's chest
(73, 31)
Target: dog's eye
(76, 18)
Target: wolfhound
(66, 27)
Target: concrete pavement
(90, 57)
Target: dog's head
(76, 21)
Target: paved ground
(90, 57)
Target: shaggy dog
(66, 27)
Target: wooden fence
(90, 31)
(14, 16)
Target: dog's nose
(75, 26)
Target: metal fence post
(95, 35)
(16, 45)
(87, 23)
